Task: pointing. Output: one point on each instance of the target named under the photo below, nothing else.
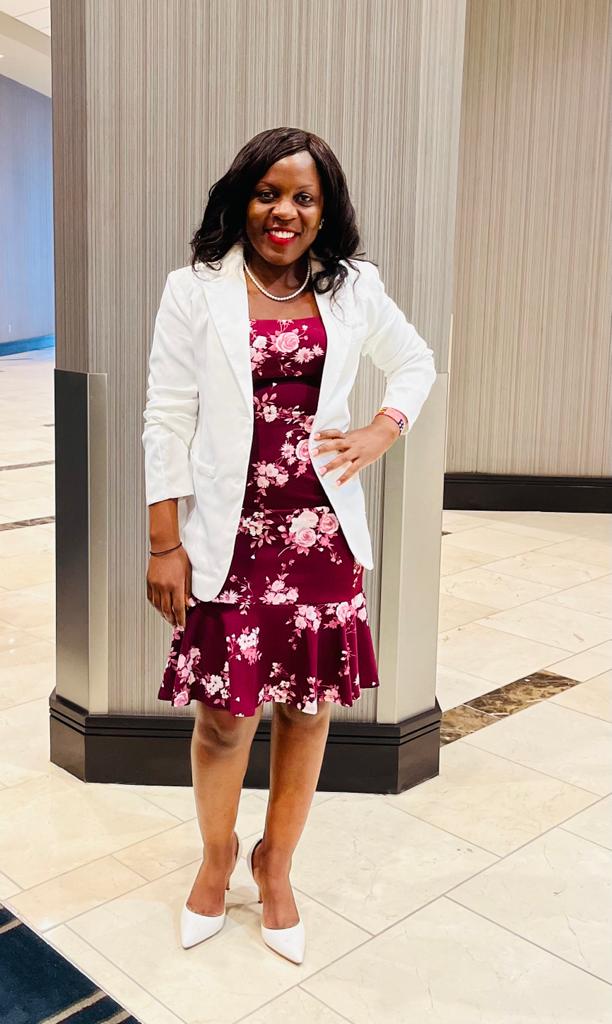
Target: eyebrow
(264, 181)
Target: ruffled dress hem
(279, 659)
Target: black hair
(224, 218)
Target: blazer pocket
(201, 467)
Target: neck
(288, 277)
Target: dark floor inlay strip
(29, 465)
(497, 704)
(38, 984)
(27, 522)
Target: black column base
(360, 757)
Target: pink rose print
(279, 593)
(343, 611)
(301, 450)
(290, 554)
(308, 517)
(305, 537)
(287, 341)
(328, 523)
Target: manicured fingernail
(323, 469)
(315, 451)
(317, 435)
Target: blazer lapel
(227, 299)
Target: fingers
(166, 607)
(178, 607)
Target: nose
(285, 209)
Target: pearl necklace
(279, 298)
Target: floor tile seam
(95, 860)
(445, 896)
(499, 857)
(26, 465)
(528, 842)
(23, 524)
(372, 938)
(102, 903)
(270, 1002)
(117, 966)
(532, 942)
(80, 969)
(498, 690)
(153, 996)
(531, 768)
(495, 717)
(503, 628)
(544, 598)
(587, 839)
(495, 558)
(587, 714)
(563, 536)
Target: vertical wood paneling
(173, 89)
(530, 386)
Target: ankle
(219, 856)
(274, 862)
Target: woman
(257, 520)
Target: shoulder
(365, 284)
(363, 276)
(182, 278)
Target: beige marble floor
(481, 895)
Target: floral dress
(290, 623)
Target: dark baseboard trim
(517, 493)
(360, 757)
(9, 348)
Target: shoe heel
(238, 856)
(249, 860)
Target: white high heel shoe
(197, 927)
(289, 942)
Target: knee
(217, 730)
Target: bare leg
(297, 745)
(220, 748)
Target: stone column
(151, 101)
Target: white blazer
(199, 407)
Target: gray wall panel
(532, 356)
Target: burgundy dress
(290, 622)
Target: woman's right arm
(170, 419)
(168, 575)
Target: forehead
(296, 169)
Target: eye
(266, 193)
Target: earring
(320, 223)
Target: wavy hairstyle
(225, 214)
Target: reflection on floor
(479, 895)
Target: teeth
(282, 234)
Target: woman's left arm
(394, 346)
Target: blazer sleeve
(395, 347)
(171, 410)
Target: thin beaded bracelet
(167, 550)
